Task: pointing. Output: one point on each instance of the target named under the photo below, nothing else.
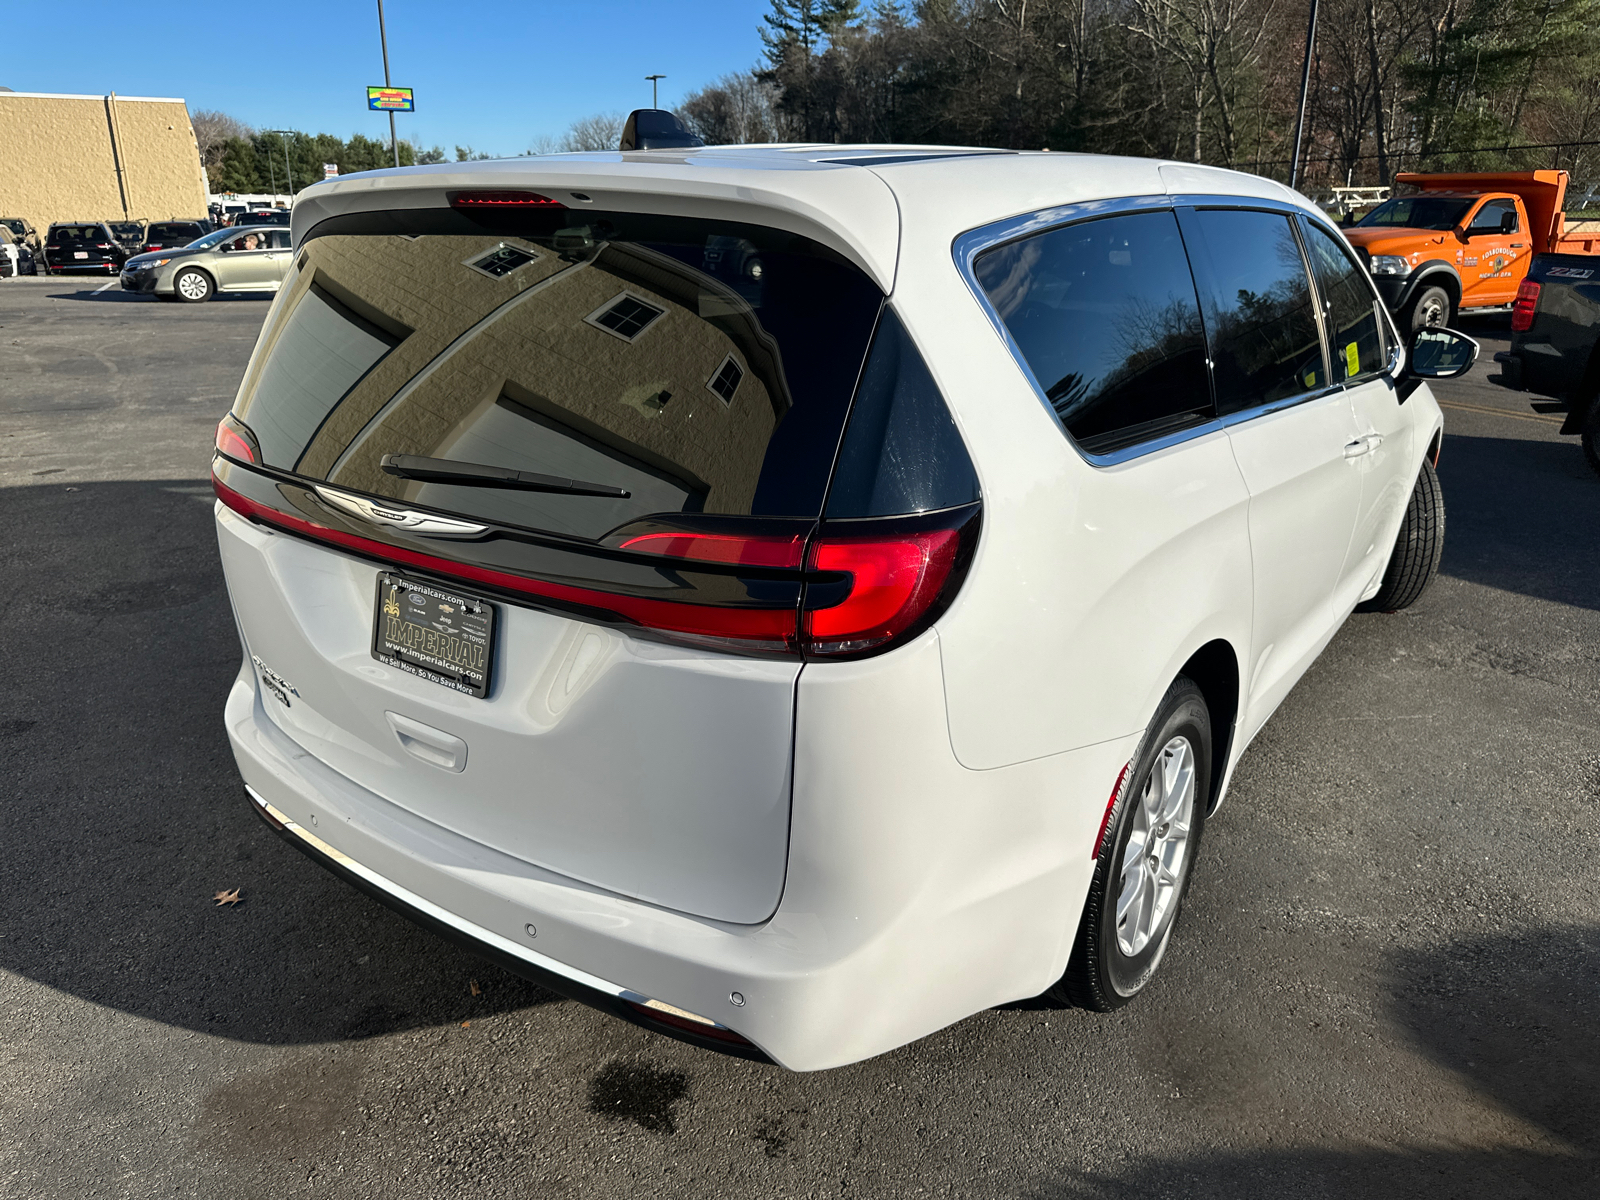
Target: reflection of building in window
(522, 372)
(501, 261)
(626, 316)
(726, 381)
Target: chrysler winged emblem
(404, 519)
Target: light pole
(288, 172)
(383, 40)
(655, 95)
(1305, 85)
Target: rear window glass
(1104, 313)
(172, 231)
(701, 366)
(79, 233)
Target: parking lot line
(1499, 412)
(105, 287)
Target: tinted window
(62, 234)
(1258, 307)
(901, 452)
(1104, 313)
(704, 367)
(322, 353)
(173, 232)
(1355, 331)
(1487, 219)
(1418, 212)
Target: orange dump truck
(1463, 242)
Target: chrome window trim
(968, 246)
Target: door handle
(1363, 445)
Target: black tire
(1429, 309)
(1100, 975)
(1415, 560)
(200, 286)
(1589, 435)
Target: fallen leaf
(473, 984)
(227, 897)
(466, 1024)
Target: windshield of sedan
(211, 239)
(1418, 212)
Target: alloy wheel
(1155, 858)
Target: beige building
(97, 158)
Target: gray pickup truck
(1555, 344)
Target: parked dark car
(16, 258)
(130, 234)
(83, 246)
(275, 216)
(169, 235)
(1555, 344)
(24, 233)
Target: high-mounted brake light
(1523, 307)
(894, 580)
(490, 200)
(784, 552)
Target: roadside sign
(329, 170)
(390, 99)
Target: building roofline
(80, 96)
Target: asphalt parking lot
(1386, 981)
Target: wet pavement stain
(640, 1093)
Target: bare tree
(738, 109)
(603, 131)
(212, 129)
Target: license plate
(437, 635)
(80, 254)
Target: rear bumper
(917, 893)
(557, 977)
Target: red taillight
(1522, 308)
(232, 443)
(893, 582)
(769, 629)
(503, 200)
(1105, 821)
(784, 552)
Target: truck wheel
(1590, 436)
(1430, 310)
(1415, 560)
(1147, 851)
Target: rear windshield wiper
(444, 470)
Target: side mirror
(1439, 354)
(1508, 222)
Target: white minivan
(796, 597)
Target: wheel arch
(1435, 273)
(1214, 669)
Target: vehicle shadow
(1511, 1016)
(116, 296)
(1513, 510)
(123, 815)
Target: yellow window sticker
(1352, 358)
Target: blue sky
(493, 74)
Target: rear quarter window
(1105, 315)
